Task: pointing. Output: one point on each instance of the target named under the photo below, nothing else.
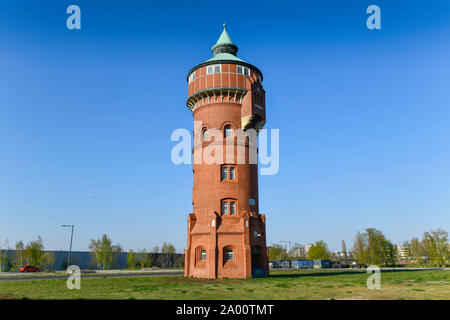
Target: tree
(372, 247)
(18, 255)
(34, 251)
(104, 253)
(318, 251)
(180, 262)
(359, 248)
(344, 249)
(116, 251)
(168, 252)
(131, 260)
(415, 251)
(5, 259)
(277, 252)
(142, 258)
(48, 261)
(436, 247)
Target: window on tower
(205, 134)
(224, 173)
(229, 255)
(192, 77)
(228, 132)
(232, 173)
(228, 172)
(215, 68)
(203, 256)
(243, 70)
(232, 207)
(229, 206)
(224, 207)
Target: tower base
(227, 247)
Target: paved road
(105, 275)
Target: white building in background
(298, 251)
(402, 253)
(309, 245)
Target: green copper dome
(224, 49)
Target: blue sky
(86, 117)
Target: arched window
(228, 131)
(205, 134)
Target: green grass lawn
(307, 284)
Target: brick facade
(226, 235)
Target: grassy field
(307, 284)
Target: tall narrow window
(224, 173)
(203, 255)
(232, 169)
(192, 77)
(232, 207)
(224, 207)
(228, 131)
(205, 134)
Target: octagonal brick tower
(226, 234)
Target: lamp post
(287, 241)
(71, 237)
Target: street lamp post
(287, 241)
(71, 237)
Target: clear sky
(86, 117)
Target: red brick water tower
(226, 234)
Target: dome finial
(224, 44)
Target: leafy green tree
(48, 261)
(142, 258)
(277, 252)
(372, 247)
(18, 255)
(34, 252)
(104, 253)
(318, 251)
(131, 260)
(415, 251)
(436, 247)
(359, 248)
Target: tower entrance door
(257, 262)
(256, 257)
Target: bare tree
(168, 253)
